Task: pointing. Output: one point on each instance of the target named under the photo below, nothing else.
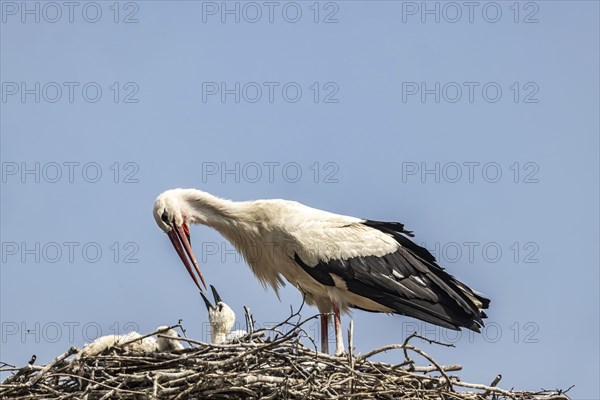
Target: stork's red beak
(180, 237)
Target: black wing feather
(408, 281)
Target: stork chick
(222, 319)
(148, 344)
(169, 344)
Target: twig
(249, 320)
(494, 383)
(52, 363)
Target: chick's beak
(215, 294)
(207, 302)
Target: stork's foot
(339, 350)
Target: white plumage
(221, 318)
(337, 261)
(170, 343)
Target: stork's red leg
(324, 333)
(339, 340)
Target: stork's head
(220, 316)
(172, 216)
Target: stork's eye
(165, 217)
(220, 307)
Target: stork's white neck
(204, 208)
(222, 319)
(253, 227)
(234, 220)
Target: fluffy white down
(145, 345)
(222, 319)
(165, 344)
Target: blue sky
(476, 126)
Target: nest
(280, 362)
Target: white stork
(337, 261)
(222, 319)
